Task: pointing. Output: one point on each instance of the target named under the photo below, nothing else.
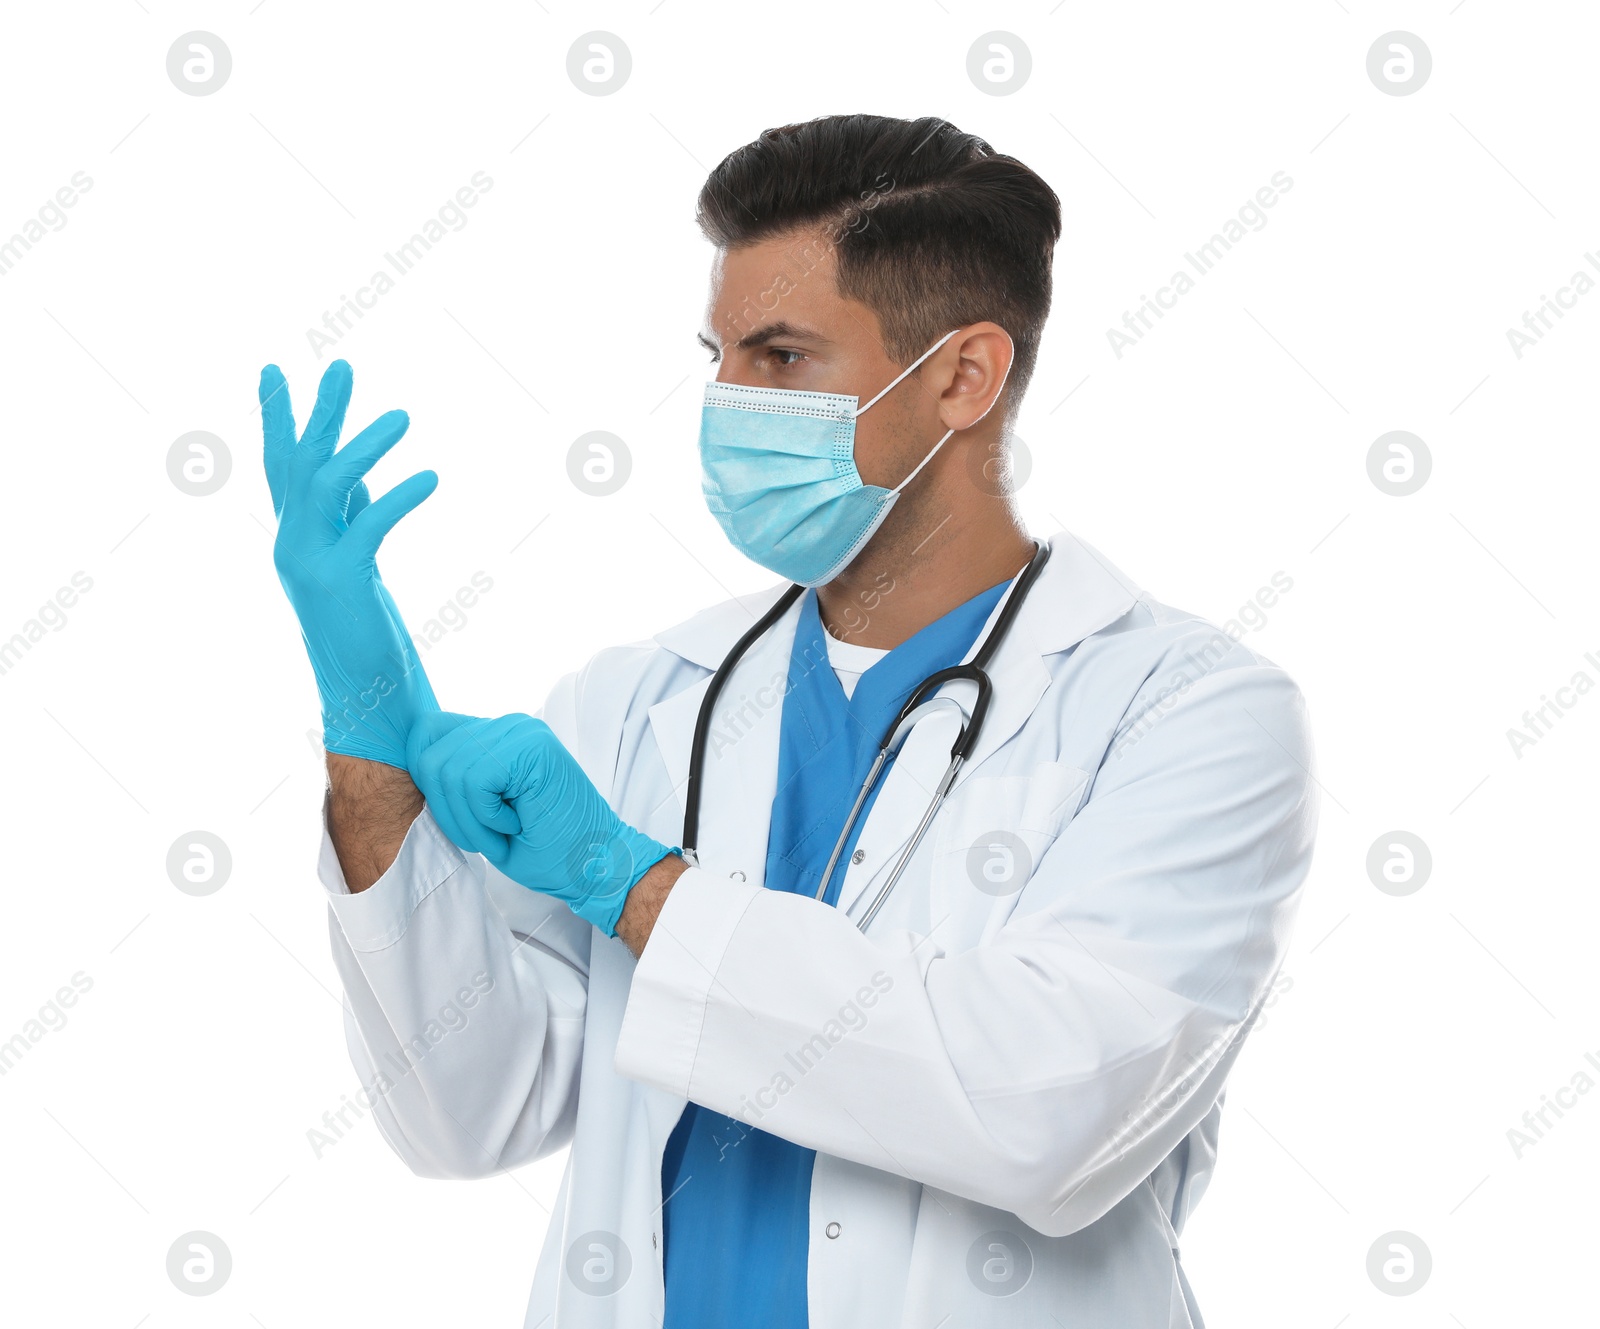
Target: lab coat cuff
(377, 917)
(674, 978)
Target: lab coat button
(832, 1230)
(736, 875)
(859, 856)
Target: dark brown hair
(933, 229)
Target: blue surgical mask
(778, 469)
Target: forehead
(789, 276)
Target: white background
(1229, 445)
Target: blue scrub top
(737, 1199)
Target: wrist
(613, 871)
(646, 900)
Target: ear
(977, 361)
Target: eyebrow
(765, 336)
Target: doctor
(989, 1097)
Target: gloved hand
(369, 676)
(508, 789)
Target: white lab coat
(1014, 1094)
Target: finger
(327, 416)
(458, 830)
(429, 764)
(340, 475)
(379, 517)
(484, 795)
(475, 775)
(428, 732)
(498, 851)
(475, 748)
(277, 431)
(461, 792)
(427, 774)
(468, 832)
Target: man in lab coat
(998, 1102)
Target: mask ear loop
(942, 340)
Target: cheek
(887, 450)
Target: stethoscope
(920, 703)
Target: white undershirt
(850, 661)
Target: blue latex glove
(508, 789)
(369, 676)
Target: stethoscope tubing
(917, 705)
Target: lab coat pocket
(992, 834)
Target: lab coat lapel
(1077, 594)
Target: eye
(780, 351)
(716, 355)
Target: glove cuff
(611, 870)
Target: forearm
(370, 808)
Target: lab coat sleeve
(1048, 1071)
(464, 998)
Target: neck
(924, 569)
